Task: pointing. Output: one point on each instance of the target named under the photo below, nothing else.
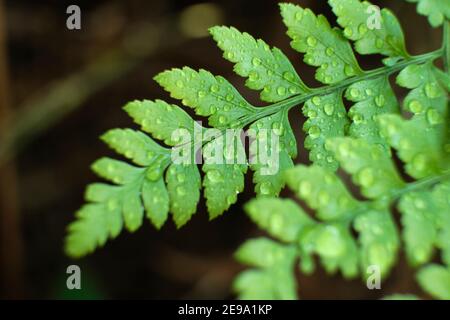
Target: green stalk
(446, 46)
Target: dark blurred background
(60, 89)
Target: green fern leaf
(273, 278)
(435, 280)
(372, 98)
(436, 10)
(183, 184)
(326, 118)
(266, 69)
(209, 95)
(282, 219)
(263, 134)
(384, 36)
(323, 46)
(359, 142)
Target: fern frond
(436, 10)
(156, 185)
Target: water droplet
(293, 90)
(289, 76)
(305, 188)
(299, 15)
(181, 191)
(311, 41)
(328, 109)
(415, 106)
(379, 43)
(265, 188)
(256, 61)
(362, 29)
(253, 75)
(179, 84)
(328, 79)
(222, 119)
(330, 159)
(432, 90)
(316, 100)
(159, 121)
(181, 177)
(419, 162)
(366, 177)
(314, 132)
(369, 92)
(281, 91)
(214, 176)
(348, 70)
(230, 55)
(229, 97)
(433, 116)
(348, 32)
(329, 51)
(312, 114)
(357, 118)
(214, 88)
(380, 100)
(354, 93)
(212, 109)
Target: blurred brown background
(61, 89)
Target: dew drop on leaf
(329, 51)
(314, 132)
(380, 100)
(415, 106)
(419, 162)
(181, 191)
(256, 62)
(214, 88)
(328, 109)
(431, 90)
(305, 188)
(316, 100)
(354, 93)
(362, 29)
(348, 70)
(214, 176)
(281, 91)
(366, 177)
(311, 41)
(433, 116)
(348, 32)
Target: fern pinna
(361, 141)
